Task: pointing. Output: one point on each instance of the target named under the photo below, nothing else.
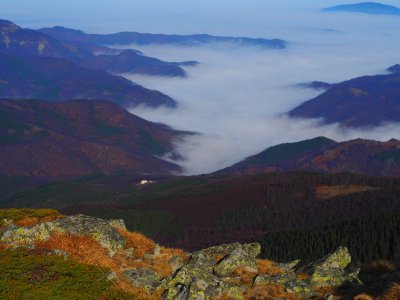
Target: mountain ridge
(373, 8)
(359, 102)
(126, 38)
(80, 137)
(325, 156)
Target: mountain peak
(6, 25)
(373, 8)
(64, 30)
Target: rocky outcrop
(206, 274)
(206, 277)
(101, 230)
(143, 278)
(228, 271)
(332, 270)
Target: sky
(236, 98)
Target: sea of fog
(236, 98)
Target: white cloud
(237, 96)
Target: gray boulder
(100, 230)
(243, 256)
(143, 278)
(332, 270)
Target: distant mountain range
(317, 85)
(129, 61)
(28, 43)
(128, 38)
(363, 101)
(35, 65)
(76, 138)
(366, 8)
(325, 156)
(58, 80)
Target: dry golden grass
(393, 293)
(170, 252)
(267, 267)
(269, 292)
(382, 266)
(31, 221)
(363, 297)
(302, 275)
(246, 277)
(325, 192)
(86, 250)
(28, 216)
(4, 247)
(326, 291)
(80, 247)
(138, 242)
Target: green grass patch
(27, 276)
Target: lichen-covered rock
(282, 279)
(331, 270)
(244, 256)
(100, 230)
(176, 262)
(288, 266)
(143, 278)
(194, 280)
(218, 251)
(300, 287)
(117, 223)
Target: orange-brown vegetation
(267, 267)
(363, 297)
(381, 266)
(170, 252)
(28, 216)
(218, 258)
(324, 192)
(80, 247)
(138, 242)
(4, 247)
(302, 275)
(86, 250)
(269, 292)
(393, 293)
(246, 276)
(326, 291)
(31, 221)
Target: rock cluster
(208, 274)
(101, 230)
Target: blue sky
(172, 16)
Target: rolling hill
(325, 156)
(76, 138)
(59, 80)
(362, 101)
